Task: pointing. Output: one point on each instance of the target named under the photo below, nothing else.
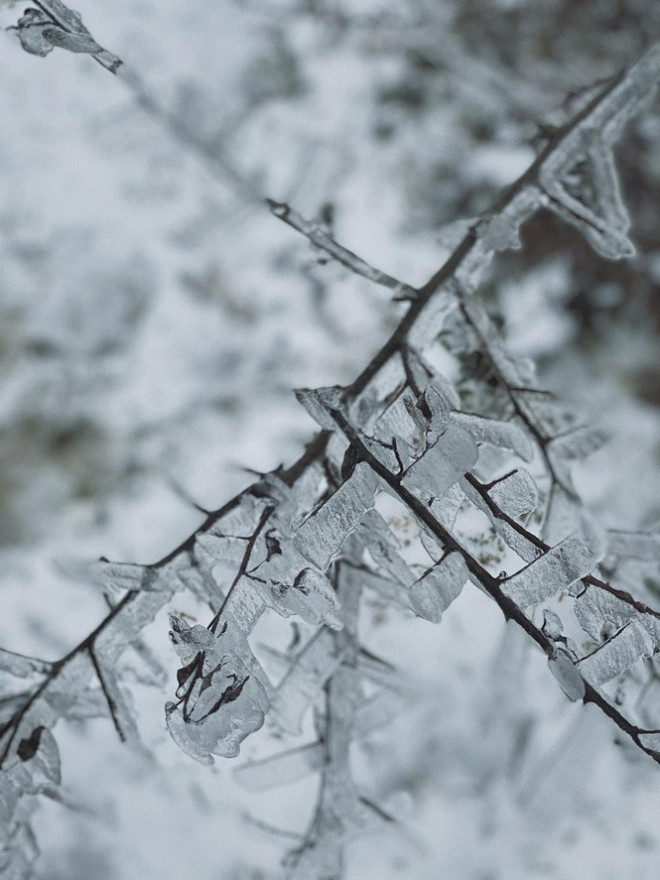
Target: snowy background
(154, 319)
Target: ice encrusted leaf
(282, 768)
(124, 576)
(220, 698)
(382, 544)
(505, 435)
(516, 494)
(500, 232)
(562, 515)
(309, 671)
(630, 644)
(633, 545)
(30, 32)
(318, 402)
(79, 42)
(310, 596)
(517, 541)
(567, 674)
(433, 593)
(389, 589)
(319, 538)
(435, 408)
(442, 465)
(22, 666)
(600, 614)
(558, 568)
(552, 624)
(577, 444)
(650, 741)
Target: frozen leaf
(79, 42)
(310, 596)
(600, 614)
(281, 769)
(556, 569)
(563, 515)
(124, 576)
(220, 698)
(500, 232)
(21, 666)
(517, 541)
(445, 509)
(318, 402)
(625, 647)
(309, 671)
(552, 625)
(442, 465)
(391, 590)
(228, 549)
(432, 319)
(433, 593)
(516, 494)
(514, 372)
(650, 741)
(382, 543)
(586, 194)
(30, 32)
(320, 537)
(576, 444)
(567, 674)
(634, 545)
(506, 435)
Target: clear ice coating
(282, 768)
(220, 699)
(320, 538)
(442, 465)
(505, 435)
(558, 568)
(309, 671)
(516, 494)
(585, 192)
(125, 576)
(567, 674)
(630, 644)
(433, 593)
(633, 545)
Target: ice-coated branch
(324, 242)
